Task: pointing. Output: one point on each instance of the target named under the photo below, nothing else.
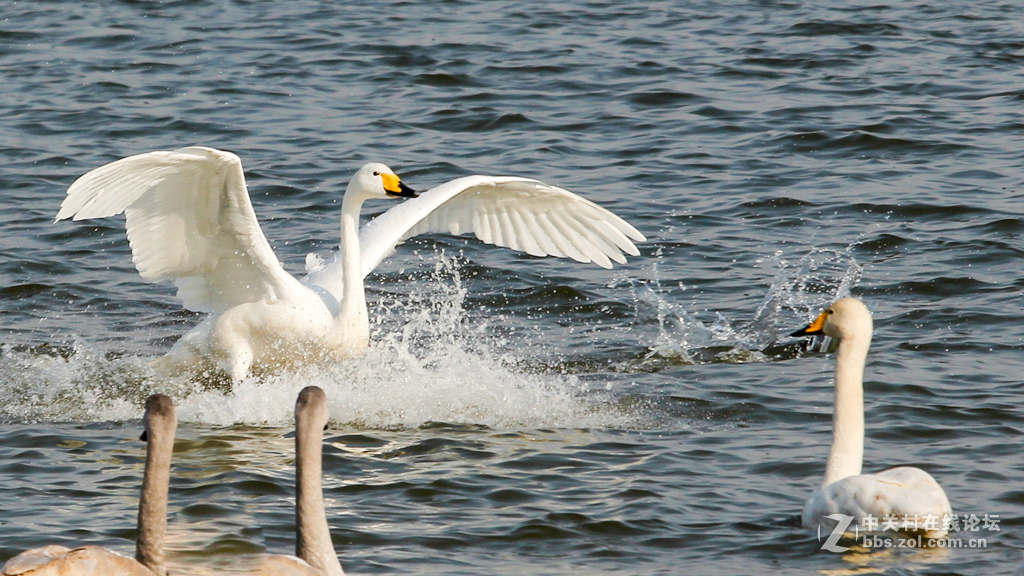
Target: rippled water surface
(520, 415)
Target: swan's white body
(189, 218)
(898, 492)
(160, 422)
(314, 552)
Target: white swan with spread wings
(189, 219)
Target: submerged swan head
(845, 319)
(375, 180)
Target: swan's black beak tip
(403, 192)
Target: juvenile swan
(313, 546)
(900, 492)
(160, 423)
(189, 219)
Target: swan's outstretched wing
(516, 213)
(189, 218)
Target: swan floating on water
(314, 551)
(160, 423)
(903, 491)
(189, 219)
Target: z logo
(843, 522)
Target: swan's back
(62, 561)
(902, 492)
(281, 565)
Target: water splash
(428, 363)
(803, 285)
(679, 331)
(802, 289)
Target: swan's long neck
(353, 319)
(313, 542)
(149, 546)
(847, 453)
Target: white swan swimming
(314, 551)
(900, 492)
(160, 423)
(189, 218)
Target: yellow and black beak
(393, 186)
(814, 328)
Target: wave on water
(427, 363)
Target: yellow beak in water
(816, 327)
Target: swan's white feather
(512, 212)
(188, 218)
(498, 210)
(503, 211)
(901, 492)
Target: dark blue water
(520, 415)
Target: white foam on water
(48, 387)
(388, 388)
(428, 363)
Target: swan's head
(845, 319)
(160, 419)
(311, 412)
(375, 180)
